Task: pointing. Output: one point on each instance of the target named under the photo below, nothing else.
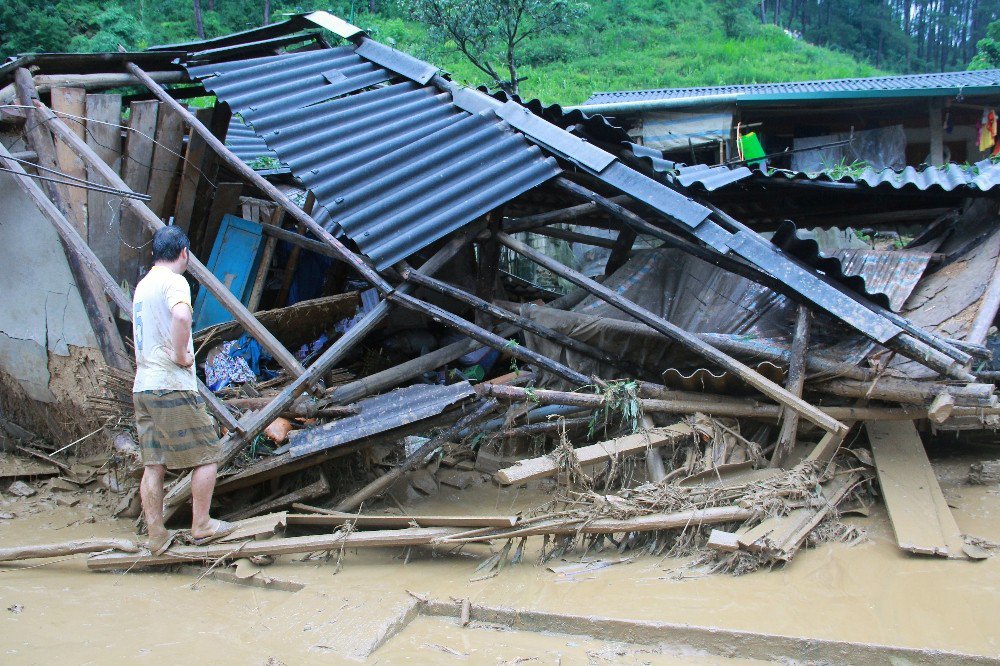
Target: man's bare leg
(202, 487)
(151, 492)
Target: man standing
(175, 431)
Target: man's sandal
(159, 547)
(222, 529)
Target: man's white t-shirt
(155, 296)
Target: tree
(988, 49)
(490, 31)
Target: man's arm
(180, 333)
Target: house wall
(47, 346)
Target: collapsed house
(392, 264)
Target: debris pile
(366, 330)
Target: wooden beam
(687, 340)
(195, 267)
(538, 468)
(796, 380)
(530, 222)
(523, 323)
(14, 553)
(47, 82)
(315, 515)
(293, 257)
(265, 262)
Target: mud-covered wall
(46, 343)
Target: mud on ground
(363, 612)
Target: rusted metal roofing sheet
(979, 177)
(380, 414)
(877, 86)
(394, 164)
(886, 277)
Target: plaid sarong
(175, 429)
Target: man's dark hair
(168, 243)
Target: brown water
(868, 593)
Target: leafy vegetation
(614, 44)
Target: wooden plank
(226, 201)
(265, 262)
(917, 509)
(166, 157)
(312, 491)
(191, 172)
(72, 102)
(537, 468)
(722, 540)
(134, 254)
(327, 517)
(104, 136)
(304, 544)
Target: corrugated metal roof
(251, 148)
(702, 175)
(394, 167)
(982, 176)
(875, 86)
(887, 277)
(380, 414)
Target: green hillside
(617, 45)
(638, 44)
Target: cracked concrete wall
(42, 311)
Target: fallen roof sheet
(380, 414)
(971, 82)
(886, 277)
(394, 167)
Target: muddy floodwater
(361, 611)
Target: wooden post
(265, 186)
(486, 268)
(621, 250)
(98, 312)
(79, 249)
(195, 267)
(72, 101)
(936, 131)
(796, 380)
(379, 485)
(265, 262)
(690, 342)
(136, 168)
(293, 257)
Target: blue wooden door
(234, 260)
